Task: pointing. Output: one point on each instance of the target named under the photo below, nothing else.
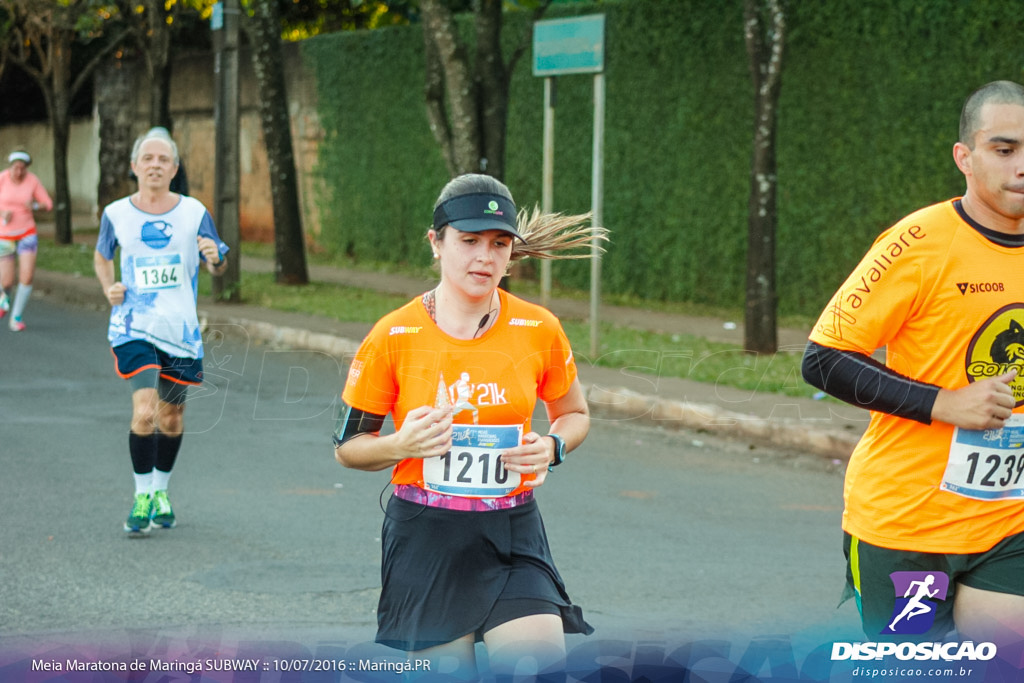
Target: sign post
(547, 192)
(573, 46)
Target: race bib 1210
(473, 466)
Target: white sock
(160, 479)
(20, 300)
(143, 483)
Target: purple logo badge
(916, 593)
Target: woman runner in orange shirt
(459, 369)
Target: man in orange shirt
(934, 491)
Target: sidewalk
(821, 427)
(824, 428)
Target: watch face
(559, 449)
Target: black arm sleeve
(864, 382)
(354, 422)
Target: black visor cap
(478, 212)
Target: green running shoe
(138, 520)
(162, 514)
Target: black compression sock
(167, 451)
(143, 450)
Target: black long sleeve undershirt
(862, 381)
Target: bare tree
(467, 100)
(764, 31)
(39, 39)
(268, 64)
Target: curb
(616, 403)
(291, 337)
(622, 403)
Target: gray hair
(996, 92)
(155, 134)
(546, 235)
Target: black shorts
(449, 573)
(146, 366)
(885, 581)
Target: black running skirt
(444, 570)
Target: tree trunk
(437, 110)
(467, 105)
(227, 288)
(492, 85)
(61, 127)
(458, 97)
(158, 61)
(267, 56)
(764, 32)
(60, 99)
(160, 98)
(117, 110)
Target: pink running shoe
(16, 325)
(5, 304)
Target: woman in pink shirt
(20, 194)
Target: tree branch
(21, 60)
(526, 39)
(92, 64)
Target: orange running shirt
(494, 379)
(948, 306)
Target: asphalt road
(667, 539)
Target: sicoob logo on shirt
(916, 593)
(156, 234)
(997, 346)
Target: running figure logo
(916, 592)
(463, 391)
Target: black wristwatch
(559, 450)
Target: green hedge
(869, 111)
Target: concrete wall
(83, 152)
(192, 104)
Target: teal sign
(217, 17)
(568, 46)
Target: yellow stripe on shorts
(855, 562)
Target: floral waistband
(415, 494)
